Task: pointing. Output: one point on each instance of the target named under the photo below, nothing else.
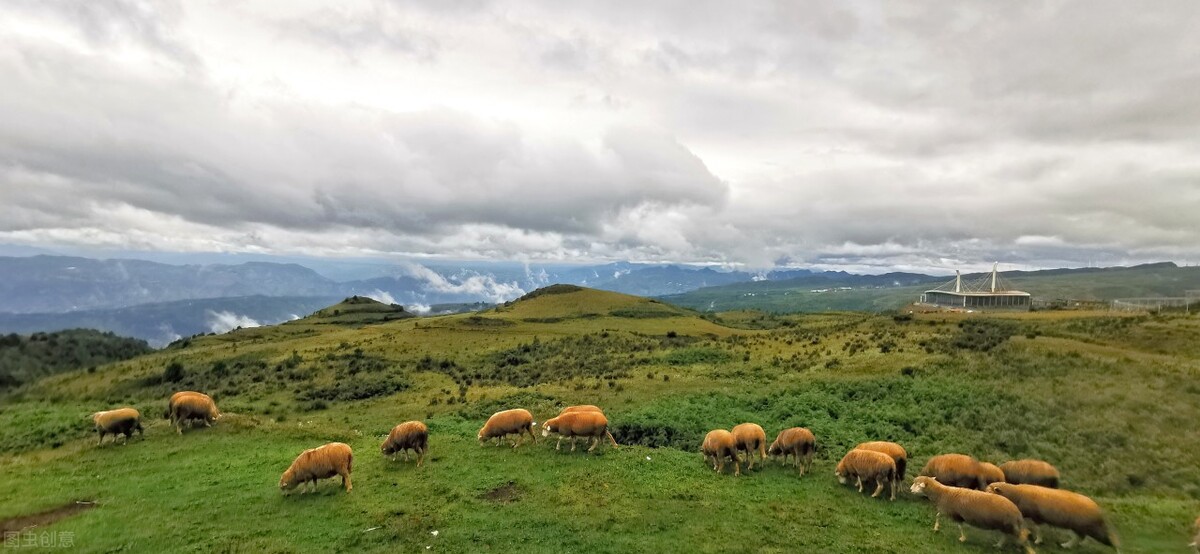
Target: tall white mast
(994, 266)
(957, 281)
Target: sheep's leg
(962, 533)
(893, 483)
(1037, 531)
(595, 443)
(573, 443)
(558, 445)
(858, 482)
(737, 470)
(346, 481)
(878, 488)
(101, 439)
(720, 464)
(1003, 540)
(405, 454)
(1074, 540)
(937, 522)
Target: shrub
(174, 372)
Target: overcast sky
(837, 134)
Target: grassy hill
(26, 358)
(806, 295)
(1111, 401)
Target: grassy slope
(1125, 438)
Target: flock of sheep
(1012, 498)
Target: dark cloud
(856, 134)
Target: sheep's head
(996, 488)
(547, 428)
(919, 484)
(287, 481)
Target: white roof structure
(990, 284)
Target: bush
(174, 372)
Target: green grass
(1111, 402)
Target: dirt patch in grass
(47, 517)
(504, 494)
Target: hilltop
(999, 388)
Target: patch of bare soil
(508, 492)
(47, 517)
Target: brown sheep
(171, 404)
(1030, 472)
(989, 473)
(751, 438)
(797, 441)
(976, 508)
(322, 462)
(508, 422)
(897, 452)
(581, 408)
(1058, 508)
(956, 470)
(410, 435)
(122, 421)
(188, 406)
(868, 465)
(586, 424)
(718, 445)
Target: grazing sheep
(508, 422)
(122, 421)
(410, 435)
(174, 399)
(1030, 472)
(191, 406)
(750, 437)
(989, 473)
(1058, 508)
(581, 408)
(797, 441)
(322, 462)
(868, 465)
(591, 425)
(976, 508)
(897, 452)
(956, 470)
(718, 445)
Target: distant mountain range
(56, 284)
(159, 302)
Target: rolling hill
(892, 291)
(998, 388)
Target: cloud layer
(850, 134)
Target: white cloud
(225, 321)
(468, 282)
(381, 296)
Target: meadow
(1111, 400)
